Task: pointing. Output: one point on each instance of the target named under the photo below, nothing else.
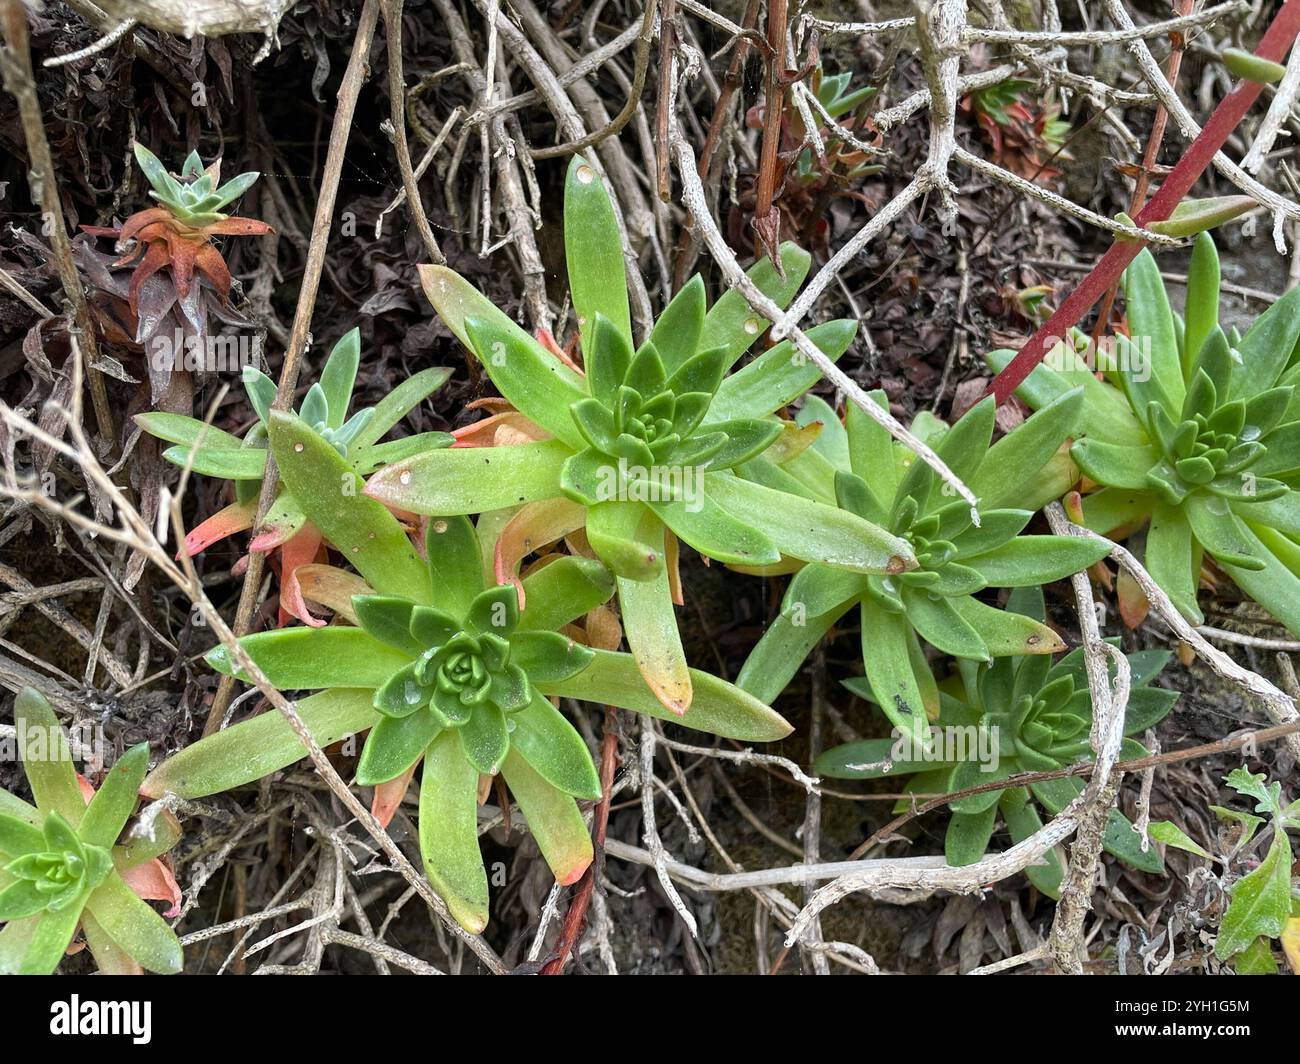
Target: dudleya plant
(324, 409)
(1020, 713)
(62, 864)
(443, 666)
(640, 450)
(1194, 434)
(859, 467)
(196, 199)
(178, 233)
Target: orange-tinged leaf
(672, 560)
(153, 881)
(499, 430)
(331, 587)
(602, 629)
(238, 227)
(208, 261)
(300, 550)
(533, 527)
(1133, 604)
(237, 517)
(388, 796)
(133, 226)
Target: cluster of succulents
(469, 579)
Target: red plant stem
(1231, 110)
(577, 914)
(773, 109)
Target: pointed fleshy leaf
(593, 251)
(650, 627)
(968, 836)
(1121, 840)
(1277, 586)
(809, 530)
(261, 392)
(47, 759)
(871, 450)
(402, 695)
(50, 940)
(676, 333)
(940, 625)
(1201, 308)
(553, 818)
(19, 836)
(388, 619)
(1146, 708)
(1267, 347)
(254, 748)
(339, 375)
(535, 381)
(468, 480)
(1251, 67)
(237, 517)
(1020, 454)
(1152, 321)
(1023, 821)
(449, 832)
(330, 494)
(115, 800)
(1030, 560)
(21, 899)
(1193, 216)
(247, 463)
(1172, 558)
(1112, 508)
(1107, 414)
(399, 402)
(299, 659)
(484, 738)
(779, 375)
(785, 645)
(715, 533)
(608, 352)
(746, 439)
(494, 611)
(135, 927)
(1006, 633)
(887, 657)
(562, 591)
(628, 538)
(315, 407)
(548, 656)
(1114, 466)
(869, 759)
(186, 431)
(732, 323)
(1222, 533)
(455, 563)
(717, 707)
(555, 750)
